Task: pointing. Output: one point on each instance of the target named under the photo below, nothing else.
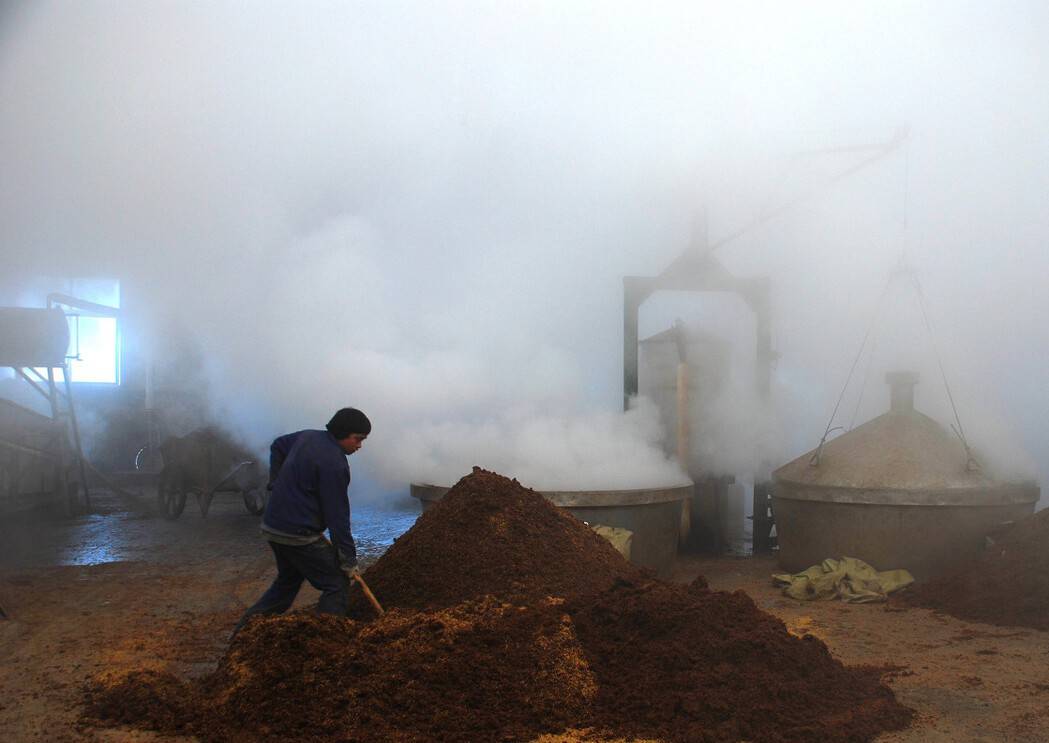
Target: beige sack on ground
(620, 538)
(848, 579)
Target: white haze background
(425, 210)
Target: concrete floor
(128, 530)
(124, 589)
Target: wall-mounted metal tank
(652, 514)
(33, 337)
(899, 491)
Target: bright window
(94, 337)
(98, 343)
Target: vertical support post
(760, 303)
(683, 445)
(635, 291)
(61, 441)
(76, 438)
(764, 519)
(758, 537)
(683, 430)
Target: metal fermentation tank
(900, 491)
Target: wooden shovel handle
(368, 594)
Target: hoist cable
(819, 450)
(960, 431)
(863, 384)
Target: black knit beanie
(349, 421)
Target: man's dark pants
(319, 564)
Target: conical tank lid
(900, 450)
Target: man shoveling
(309, 477)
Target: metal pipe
(96, 309)
(34, 385)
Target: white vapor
(594, 452)
(426, 210)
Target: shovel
(368, 594)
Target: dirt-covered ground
(175, 589)
(967, 681)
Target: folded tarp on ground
(848, 579)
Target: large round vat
(652, 514)
(887, 529)
(897, 492)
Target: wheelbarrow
(203, 464)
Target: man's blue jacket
(309, 475)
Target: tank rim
(581, 498)
(997, 494)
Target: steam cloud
(426, 212)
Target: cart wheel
(254, 500)
(171, 496)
